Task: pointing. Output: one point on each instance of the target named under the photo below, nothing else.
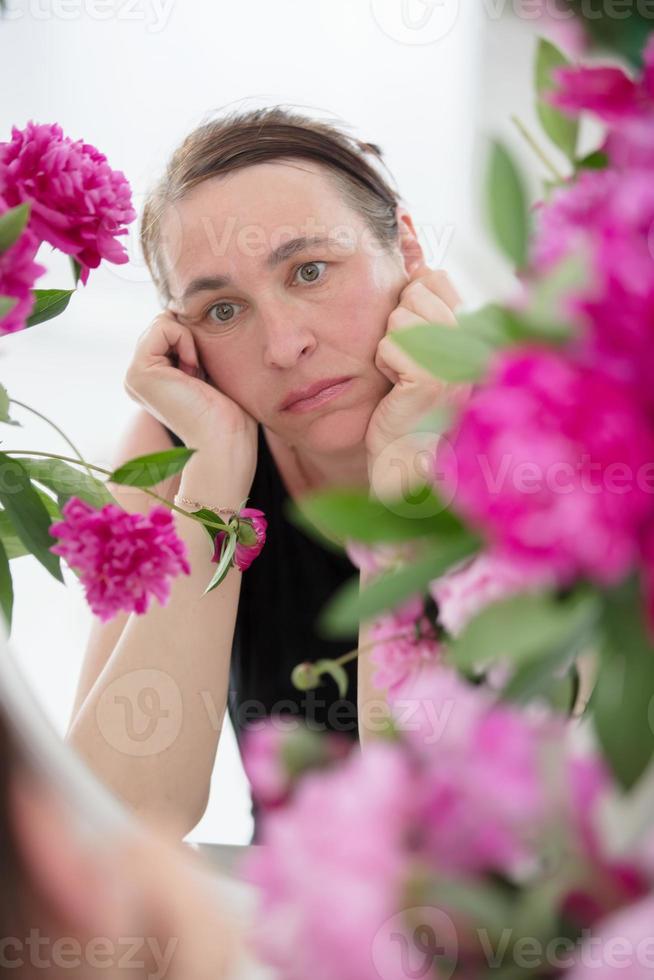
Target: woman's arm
(149, 726)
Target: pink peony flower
(78, 203)
(479, 757)
(622, 945)
(245, 552)
(280, 749)
(610, 217)
(625, 104)
(398, 656)
(122, 557)
(331, 870)
(464, 591)
(18, 272)
(550, 461)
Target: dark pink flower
(18, 272)
(551, 462)
(122, 558)
(251, 538)
(78, 203)
(609, 217)
(621, 946)
(625, 104)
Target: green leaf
(77, 269)
(28, 514)
(348, 513)
(4, 404)
(12, 223)
(226, 555)
(337, 671)
(66, 481)
(597, 160)
(350, 605)
(10, 540)
(561, 129)
(622, 703)
(49, 303)
(6, 588)
(507, 205)
(523, 627)
(447, 352)
(7, 304)
(545, 315)
(148, 470)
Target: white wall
(133, 84)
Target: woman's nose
(286, 336)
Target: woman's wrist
(217, 480)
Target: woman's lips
(326, 395)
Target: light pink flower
(245, 553)
(78, 203)
(122, 558)
(331, 869)
(403, 641)
(462, 593)
(484, 802)
(18, 272)
(621, 946)
(549, 464)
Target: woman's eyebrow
(275, 258)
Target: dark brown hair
(243, 139)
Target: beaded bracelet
(197, 505)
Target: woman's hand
(167, 378)
(393, 438)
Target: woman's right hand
(167, 378)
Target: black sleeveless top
(282, 594)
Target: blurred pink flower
(609, 217)
(122, 558)
(245, 553)
(484, 800)
(18, 272)
(332, 867)
(550, 459)
(78, 203)
(625, 104)
(462, 593)
(622, 945)
(398, 656)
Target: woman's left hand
(428, 297)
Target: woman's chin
(338, 431)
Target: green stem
(99, 469)
(28, 408)
(354, 653)
(538, 150)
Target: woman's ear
(407, 241)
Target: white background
(133, 78)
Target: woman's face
(281, 323)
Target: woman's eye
(312, 270)
(224, 312)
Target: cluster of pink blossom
(122, 558)
(77, 203)
(552, 458)
(18, 273)
(460, 793)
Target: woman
(283, 257)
